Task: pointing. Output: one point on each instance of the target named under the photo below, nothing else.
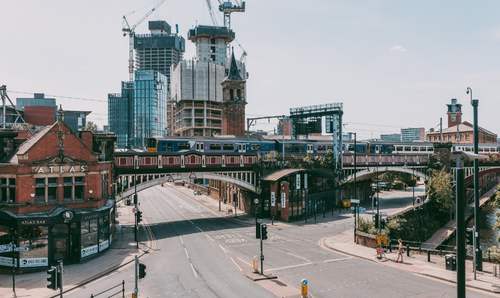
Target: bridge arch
(249, 184)
(370, 171)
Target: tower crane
(227, 7)
(130, 31)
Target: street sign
(8, 248)
(353, 201)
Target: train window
(184, 146)
(199, 146)
(228, 147)
(215, 147)
(310, 148)
(430, 149)
(407, 148)
(414, 148)
(255, 147)
(321, 147)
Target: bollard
(304, 288)
(429, 256)
(407, 250)
(123, 289)
(255, 264)
(489, 255)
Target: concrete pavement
(416, 263)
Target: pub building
(55, 196)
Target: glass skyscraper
(120, 118)
(149, 109)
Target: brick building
(458, 131)
(55, 196)
(234, 101)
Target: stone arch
(366, 172)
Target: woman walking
(400, 251)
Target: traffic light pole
(478, 256)
(460, 210)
(135, 213)
(60, 273)
(261, 252)
(136, 287)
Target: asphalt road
(199, 254)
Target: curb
(323, 243)
(105, 272)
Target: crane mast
(130, 31)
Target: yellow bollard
(304, 288)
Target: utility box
(451, 262)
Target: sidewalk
(416, 263)
(122, 252)
(448, 230)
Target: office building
(149, 109)
(76, 120)
(38, 100)
(415, 134)
(393, 137)
(159, 50)
(120, 117)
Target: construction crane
(227, 7)
(130, 31)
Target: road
(199, 254)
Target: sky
(392, 63)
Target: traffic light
(135, 199)
(263, 233)
(382, 223)
(469, 236)
(52, 278)
(257, 230)
(138, 214)
(142, 270)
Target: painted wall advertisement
(6, 261)
(273, 199)
(103, 245)
(87, 251)
(283, 200)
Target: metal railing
(114, 294)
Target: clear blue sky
(392, 63)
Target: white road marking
(194, 270)
(223, 249)
(298, 257)
(182, 241)
(290, 267)
(336, 260)
(186, 252)
(236, 264)
(244, 262)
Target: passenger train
(266, 147)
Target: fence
(116, 293)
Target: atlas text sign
(59, 169)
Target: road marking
(187, 254)
(194, 270)
(182, 241)
(290, 267)
(337, 260)
(298, 257)
(236, 264)
(223, 249)
(244, 262)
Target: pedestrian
(400, 251)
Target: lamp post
(355, 165)
(460, 217)
(478, 257)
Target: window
(215, 147)
(228, 147)
(73, 188)
(46, 189)
(231, 94)
(7, 190)
(35, 238)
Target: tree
(440, 189)
(91, 126)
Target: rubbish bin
(451, 262)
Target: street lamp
(460, 158)
(256, 203)
(478, 256)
